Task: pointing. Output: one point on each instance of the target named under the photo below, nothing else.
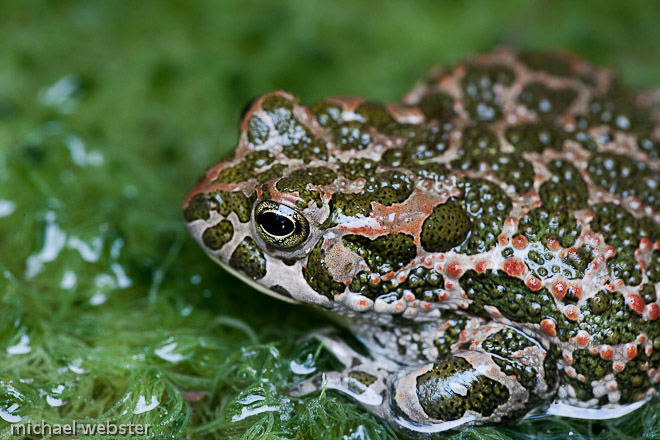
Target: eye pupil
(279, 225)
(276, 224)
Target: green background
(110, 110)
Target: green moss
(161, 111)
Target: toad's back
(506, 214)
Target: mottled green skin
(217, 236)
(446, 227)
(502, 224)
(249, 259)
(440, 402)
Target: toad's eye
(280, 226)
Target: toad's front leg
(494, 373)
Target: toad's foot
(478, 383)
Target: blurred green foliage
(109, 110)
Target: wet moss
(249, 259)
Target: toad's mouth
(250, 282)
